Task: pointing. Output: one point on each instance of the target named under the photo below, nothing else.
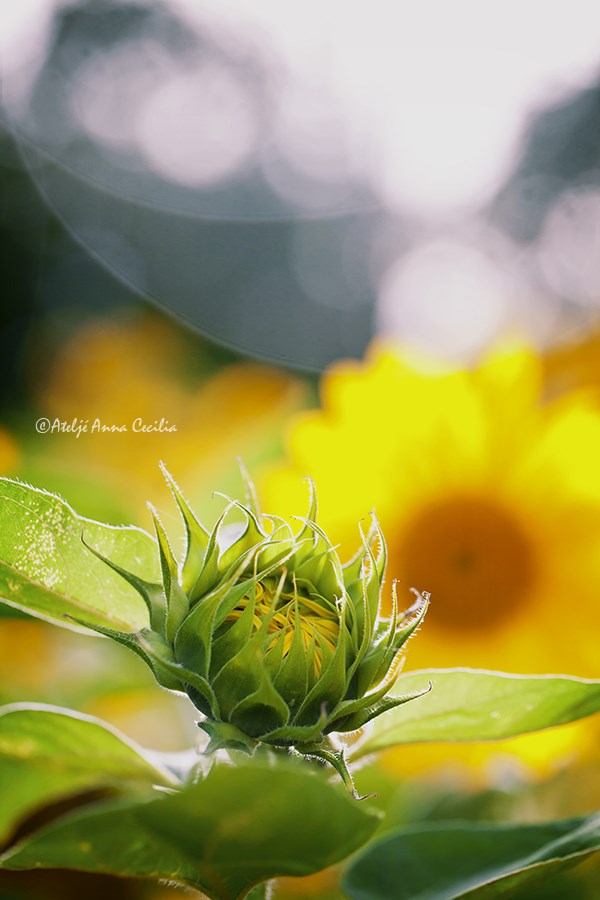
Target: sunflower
(489, 499)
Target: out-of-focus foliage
(239, 825)
(437, 861)
(47, 753)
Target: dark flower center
(474, 557)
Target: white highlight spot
(445, 298)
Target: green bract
(273, 639)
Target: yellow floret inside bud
(317, 622)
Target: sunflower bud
(273, 639)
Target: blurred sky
(405, 75)
(437, 92)
(382, 132)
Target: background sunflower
(488, 497)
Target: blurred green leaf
(473, 705)
(443, 861)
(243, 824)
(260, 892)
(48, 753)
(46, 569)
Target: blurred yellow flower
(25, 657)
(9, 452)
(320, 886)
(117, 371)
(488, 498)
(151, 717)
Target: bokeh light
(445, 297)
(569, 248)
(343, 156)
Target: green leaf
(46, 569)
(474, 705)
(48, 753)
(477, 860)
(242, 825)
(260, 892)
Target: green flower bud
(273, 639)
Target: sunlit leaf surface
(46, 568)
(473, 705)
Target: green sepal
(229, 596)
(262, 712)
(227, 645)
(282, 528)
(372, 710)
(382, 555)
(209, 574)
(193, 641)
(311, 669)
(323, 566)
(364, 634)
(350, 706)
(306, 574)
(291, 680)
(353, 579)
(178, 604)
(152, 594)
(312, 510)
(372, 578)
(196, 535)
(240, 677)
(245, 678)
(397, 638)
(162, 658)
(276, 549)
(380, 650)
(233, 589)
(212, 611)
(368, 674)
(249, 489)
(250, 537)
(224, 736)
(335, 758)
(418, 610)
(298, 734)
